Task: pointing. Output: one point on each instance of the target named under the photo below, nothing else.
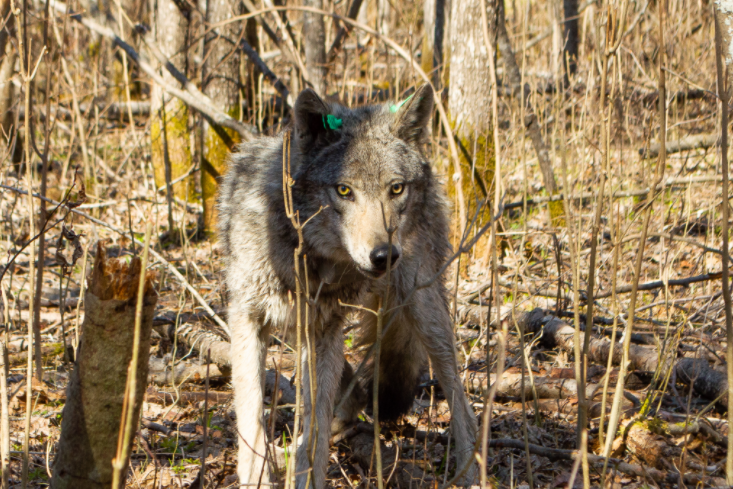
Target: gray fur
(372, 150)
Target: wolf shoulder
(252, 180)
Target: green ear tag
(330, 121)
(395, 108)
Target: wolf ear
(314, 125)
(413, 115)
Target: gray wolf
(357, 173)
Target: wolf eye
(343, 190)
(397, 188)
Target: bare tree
(7, 69)
(434, 46)
(469, 98)
(169, 134)
(221, 83)
(570, 41)
(314, 34)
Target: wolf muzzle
(380, 256)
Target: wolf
(362, 182)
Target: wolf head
(363, 173)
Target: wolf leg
(247, 355)
(329, 365)
(352, 405)
(436, 334)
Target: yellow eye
(397, 188)
(343, 190)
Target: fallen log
(570, 406)
(186, 397)
(707, 382)
(697, 141)
(686, 426)
(648, 446)
(679, 96)
(96, 389)
(553, 394)
(162, 374)
(48, 351)
(658, 284)
(670, 182)
(557, 333)
(511, 385)
(113, 110)
(194, 336)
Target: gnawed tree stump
(92, 415)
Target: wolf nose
(379, 257)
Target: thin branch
(343, 31)
(722, 15)
(247, 49)
(617, 194)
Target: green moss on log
(557, 213)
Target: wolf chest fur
(361, 180)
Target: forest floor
(673, 323)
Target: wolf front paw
(471, 476)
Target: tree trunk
(724, 20)
(250, 73)
(433, 52)
(469, 100)
(314, 37)
(221, 83)
(169, 131)
(570, 58)
(94, 396)
(7, 69)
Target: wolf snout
(380, 256)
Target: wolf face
(360, 172)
